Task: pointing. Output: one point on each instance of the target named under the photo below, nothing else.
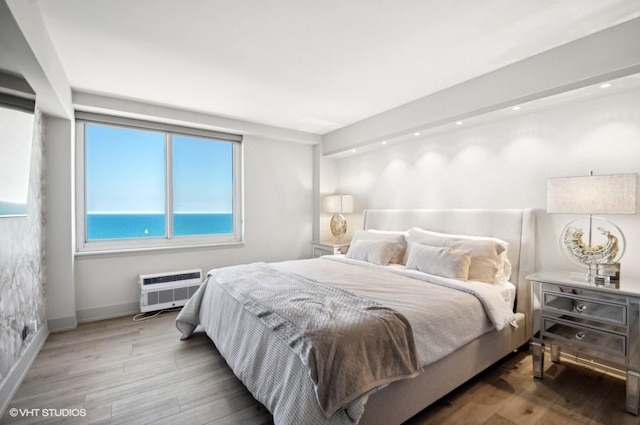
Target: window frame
(169, 241)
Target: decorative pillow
(397, 237)
(487, 258)
(504, 273)
(376, 251)
(440, 261)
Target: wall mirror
(16, 136)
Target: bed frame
(401, 400)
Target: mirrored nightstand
(595, 322)
(328, 248)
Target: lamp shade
(338, 204)
(606, 194)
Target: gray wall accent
(22, 287)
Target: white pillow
(440, 261)
(487, 258)
(376, 251)
(397, 237)
(505, 272)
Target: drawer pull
(580, 308)
(580, 336)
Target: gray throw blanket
(350, 345)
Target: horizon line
(154, 212)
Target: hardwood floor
(125, 372)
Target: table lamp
(338, 205)
(604, 194)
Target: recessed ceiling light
(605, 85)
(459, 123)
(417, 133)
(516, 108)
(353, 150)
(384, 142)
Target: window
(151, 185)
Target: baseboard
(92, 315)
(62, 324)
(19, 370)
(108, 312)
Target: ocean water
(120, 226)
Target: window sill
(154, 249)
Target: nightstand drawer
(584, 308)
(585, 340)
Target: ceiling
(307, 65)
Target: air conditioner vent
(166, 290)
(155, 279)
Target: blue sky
(125, 172)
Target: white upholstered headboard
(515, 226)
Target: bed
(441, 329)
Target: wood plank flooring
(125, 372)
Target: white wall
(328, 173)
(505, 164)
(60, 218)
(278, 226)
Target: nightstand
(328, 248)
(596, 322)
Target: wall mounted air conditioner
(166, 290)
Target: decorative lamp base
(600, 253)
(338, 227)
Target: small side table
(328, 248)
(600, 322)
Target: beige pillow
(376, 251)
(397, 237)
(487, 262)
(440, 261)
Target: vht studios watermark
(47, 413)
